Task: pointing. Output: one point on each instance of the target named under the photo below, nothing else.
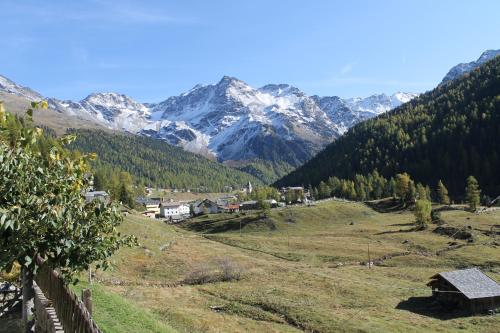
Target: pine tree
(391, 188)
(351, 190)
(324, 190)
(472, 193)
(442, 192)
(315, 194)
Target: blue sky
(151, 50)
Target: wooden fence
(71, 312)
(46, 316)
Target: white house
(168, 209)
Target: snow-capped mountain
(11, 87)
(115, 111)
(346, 113)
(230, 120)
(460, 69)
(235, 121)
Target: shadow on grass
(398, 231)
(402, 224)
(388, 205)
(427, 306)
(220, 226)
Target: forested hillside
(448, 133)
(267, 171)
(157, 163)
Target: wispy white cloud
(17, 41)
(98, 11)
(347, 68)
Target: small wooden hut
(469, 289)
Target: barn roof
(147, 201)
(472, 283)
(205, 202)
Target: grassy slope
(304, 275)
(115, 314)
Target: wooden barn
(469, 289)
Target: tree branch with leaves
(42, 208)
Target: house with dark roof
(205, 207)
(249, 205)
(469, 289)
(150, 204)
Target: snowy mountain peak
(281, 90)
(116, 111)
(463, 68)
(487, 55)
(226, 79)
(11, 87)
(403, 97)
(229, 81)
(195, 88)
(112, 100)
(378, 103)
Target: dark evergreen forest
(449, 133)
(156, 163)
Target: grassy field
(116, 314)
(303, 270)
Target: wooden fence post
(28, 298)
(90, 275)
(87, 299)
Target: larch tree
(422, 213)
(442, 193)
(402, 185)
(472, 193)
